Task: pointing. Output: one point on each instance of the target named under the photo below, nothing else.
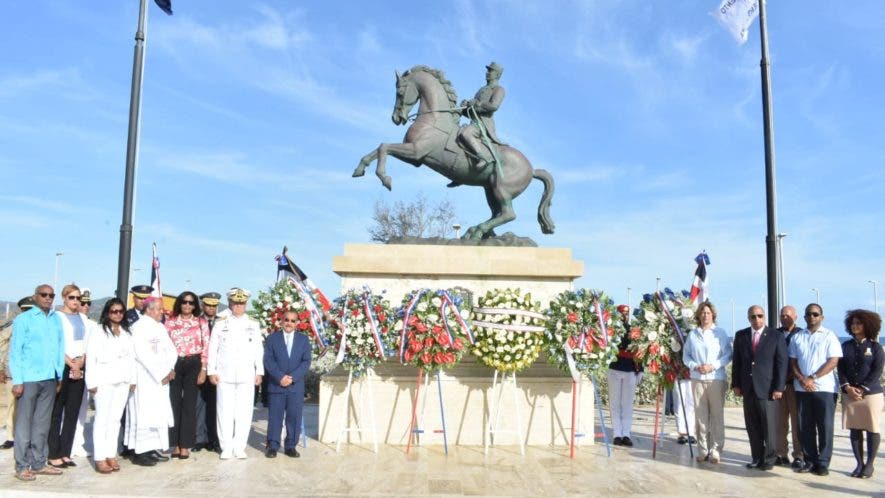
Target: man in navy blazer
(286, 362)
(759, 374)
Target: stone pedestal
(544, 395)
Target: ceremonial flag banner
(286, 269)
(165, 6)
(700, 286)
(155, 273)
(737, 16)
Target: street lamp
(55, 278)
(658, 285)
(781, 291)
(875, 294)
(457, 228)
(628, 297)
(817, 294)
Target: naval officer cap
(238, 295)
(86, 296)
(211, 298)
(26, 303)
(141, 291)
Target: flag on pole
(286, 268)
(155, 273)
(737, 16)
(165, 6)
(700, 286)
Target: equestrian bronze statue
(469, 155)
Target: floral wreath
(576, 341)
(363, 319)
(287, 295)
(509, 330)
(655, 342)
(431, 329)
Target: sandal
(114, 464)
(69, 463)
(25, 475)
(102, 467)
(48, 470)
(184, 454)
(61, 465)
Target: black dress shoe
(806, 468)
(292, 452)
(682, 439)
(198, 447)
(626, 442)
(270, 453)
(618, 441)
(754, 464)
(692, 440)
(797, 464)
(127, 453)
(156, 455)
(764, 466)
(867, 471)
(782, 461)
(821, 471)
(6, 445)
(143, 459)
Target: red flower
(653, 367)
(428, 342)
(377, 308)
(606, 314)
(665, 358)
(635, 333)
(304, 315)
(436, 329)
(572, 342)
(654, 348)
(439, 358)
(412, 320)
(302, 326)
(426, 357)
(420, 327)
(670, 376)
(572, 317)
(409, 355)
(458, 345)
(355, 312)
(450, 357)
(415, 346)
(443, 339)
(381, 317)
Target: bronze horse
(431, 140)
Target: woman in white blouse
(110, 377)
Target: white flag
(737, 16)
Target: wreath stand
(357, 427)
(494, 422)
(415, 429)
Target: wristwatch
(812, 376)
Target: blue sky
(648, 114)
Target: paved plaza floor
(543, 471)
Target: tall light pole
(628, 297)
(817, 294)
(875, 294)
(457, 228)
(658, 284)
(55, 277)
(781, 290)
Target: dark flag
(286, 268)
(700, 286)
(165, 6)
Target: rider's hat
(494, 66)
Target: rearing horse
(432, 140)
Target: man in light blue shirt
(814, 354)
(36, 362)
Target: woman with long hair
(860, 374)
(190, 335)
(110, 377)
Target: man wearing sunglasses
(36, 362)
(814, 354)
(286, 362)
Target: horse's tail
(544, 218)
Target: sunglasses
(117, 311)
(812, 313)
(289, 321)
(188, 302)
(50, 295)
(757, 316)
(72, 297)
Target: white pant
(234, 408)
(682, 392)
(110, 401)
(621, 394)
(79, 448)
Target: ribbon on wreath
(446, 302)
(670, 317)
(316, 321)
(515, 327)
(406, 315)
(373, 326)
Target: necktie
(756, 340)
(288, 338)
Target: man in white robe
(149, 411)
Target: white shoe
(227, 455)
(240, 455)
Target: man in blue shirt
(36, 362)
(814, 354)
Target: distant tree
(415, 218)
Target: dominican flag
(700, 287)
(286, 269)
(164, 5)
(155, 273)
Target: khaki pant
(709, 411)
(788, 418)
(7, 409)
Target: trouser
(64, 415)
(709, 405)
(235, 404)
(760, 418)
(291, 402)
(183, 397)
(32, 416)
(110, 402)
(788, 421)
(816, 412)
(79, 446)
(621, 394)
(207, 427)
(8, 417)
(683, 407)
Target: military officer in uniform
(207, 429)
(139, 294)
(8, 419)
(483, 107)
(235, 367)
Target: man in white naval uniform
(235, 365)
(149, 412)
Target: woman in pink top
(190, 334)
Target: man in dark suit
(286, 362)
(759, 373)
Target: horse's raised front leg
(404, 152)
(364, 163)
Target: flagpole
(125, 255)
(772, 251)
